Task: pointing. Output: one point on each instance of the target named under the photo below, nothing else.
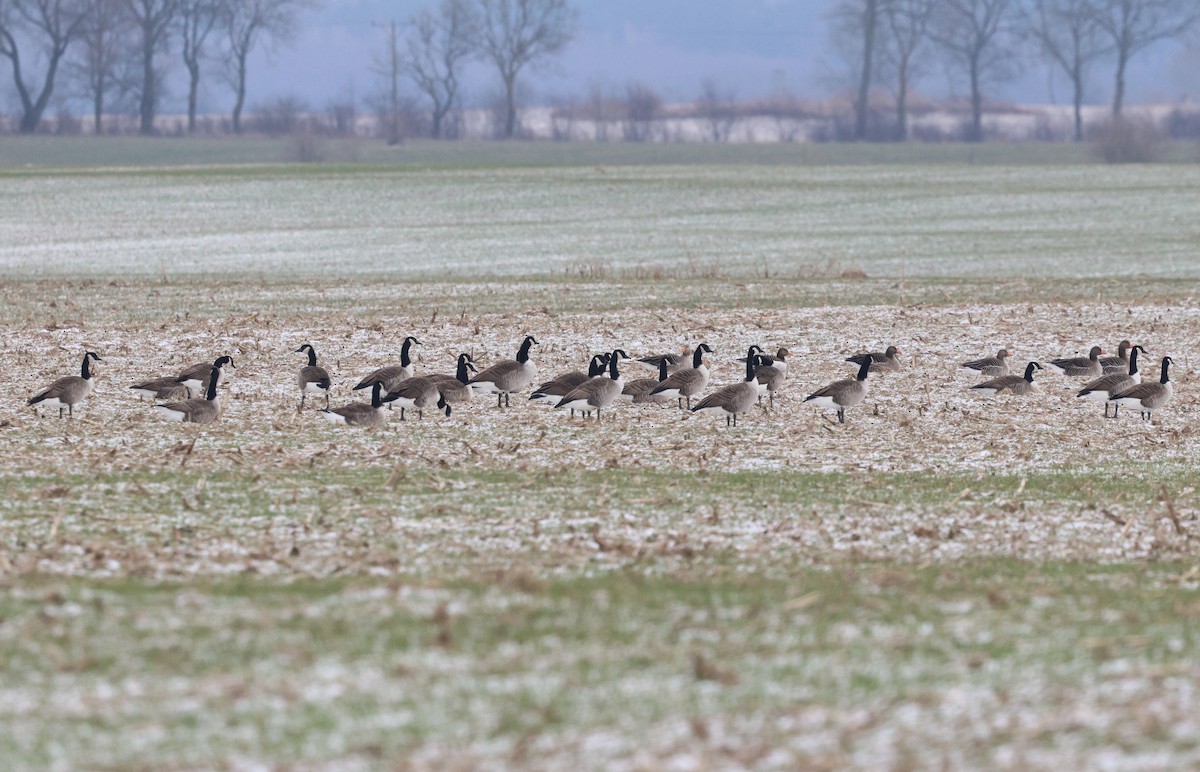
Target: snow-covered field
(946, 580)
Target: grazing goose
(599, 392)
(555, 389)
(844, 394)
(162, 388)
(1147, 397)
(312, 379)
(1105, 386)
(674, 361)
(687, 382)
(358, 413)
(1080, 367)
(503, 378)
(66, 392)
(198, 410)
(991, 366)
(770, 376)
(1014, 384)
(779, 361)
(638, 391)
(1118, 365)
(736, 398)
(195, 378)
(440, 390)
(884, 362)
(393, 375)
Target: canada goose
(1080, 367)
(1147, 397)
(1105, 386)
(845, 393)
(638, 391)
(991, 366)
(509, 375)
(598, 392)
(1014, 384)
(1119, 364)
(441, 390)
(69, 390)
(770, 375)
(198, 410)
(312, 379)
(674, 361)
(555, 389)
(687, 382)
(392, 375)
(162, 388)
(358, 413)
(779, 361)
(884, 362)
(735, 398)
(195, 378)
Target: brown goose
(195, 378)
(68, 391)
(198, 410)
(638, 391)
(162, 388)
(555, 389)
(503, 378)
(771, 374)
(1014, 384)
(1118, 365)
(843, 394)
(358, 413)
(884, 362)
(599, 392)
(1148, 397)
(991, 366)
(688, 382)
(1105, 386)
(311, 378)
(1080, 367)
(736, 398)
(430, 390)
(674, 361)
(778, 361)
(392, 376)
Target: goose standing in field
(991, 366)
(198, 410)
(440, 390)
(599, 392)
(845, 393)
(734, 399)
(162, 388)
(674, 361)
(778, 361)
(311, 378)
(503, 378)
(1105, 386)
(1014, 384)
(638, 391)
(881, 362)
(358, 413)
(1118, 365)
(392, 376)
(68, 391)
(195, 378)
(687, 382)
(1147, 397)
(558, 387)
(770, 374)
(1080, 367)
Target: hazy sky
(747, 46)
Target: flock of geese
(191, 395)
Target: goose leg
(302, 398)
(402, 412)
(1116, 409)
(842, 416)
(506, 402)
(326, 400)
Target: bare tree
(906, 24)
(388, 68)
(247, 24)
(718, 109)
(642, 105)
(1069, 36)
(197, 19)
(978, 34)
(102, 44)
(1134, 25)
(435, 51)
(602, 109)
(515, 34)
(50, 26)
(153, 19)
(855, 25)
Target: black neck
(612, 367)
(1133, 368)
(698, 357)
(751, 366)
(463, 375)
(596, 366)
(1029, 368)
(663, 365)
(523, 353)
(865, 367)
(213, 377)
(312, 356)
(1164, 378)
(86, 371)
(405, 359)
(375, 396)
